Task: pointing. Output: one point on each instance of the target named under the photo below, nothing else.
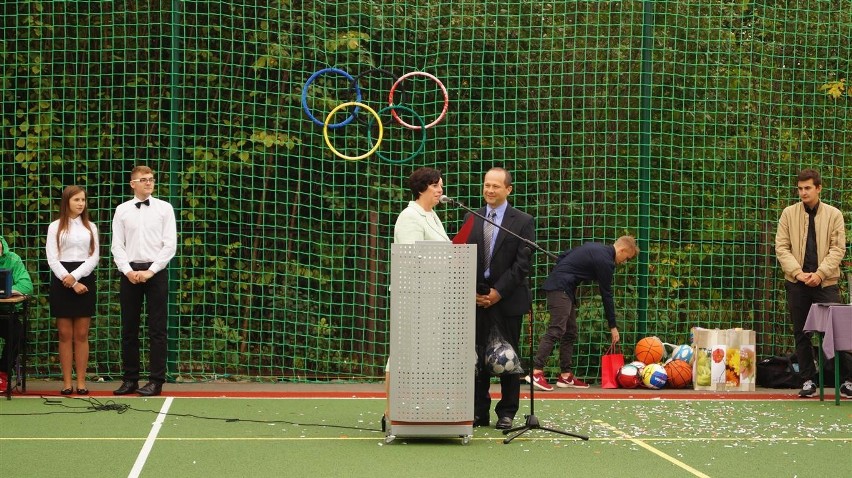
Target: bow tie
(146, 202)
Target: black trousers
(131, 296)
(510, 385)
(799, 300)
(11, 333)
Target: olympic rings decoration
(305, 97)
(369, 72)
(356, 105)
(431, 77)
(422, 139)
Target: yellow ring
(378, 138)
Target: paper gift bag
(611, 363)
(724, 359)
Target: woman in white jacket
(418, 222)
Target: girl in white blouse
(72, 254)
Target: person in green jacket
(21, 285)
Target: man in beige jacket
(810, 244)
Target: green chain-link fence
(683, 123)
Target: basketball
(649, 350)
(679, 373)
(654, 376)
(628, 376)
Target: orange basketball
(680, 373)
(649, 350)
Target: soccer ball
(654, 376)
(639, 366)
(682, 352)
(628, 376)
(501, 358)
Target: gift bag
(611, 363)
(500, 356)
(724, 359)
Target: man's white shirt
(144, 234)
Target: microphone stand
(532, 422)
(449, 200)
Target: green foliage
(282, 262)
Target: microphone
(529, 244)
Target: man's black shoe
(151, 389)
(481, 422)
(504, 423)
(128, 386)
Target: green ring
(422, 128)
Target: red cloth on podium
(464, 232)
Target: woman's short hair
(421, 179)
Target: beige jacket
(793, 233)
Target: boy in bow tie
(144, 240)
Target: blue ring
(422, 139)
(305, 98)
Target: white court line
(480, 438)
(655, 451)
(149, 442)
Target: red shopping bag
(611, 363)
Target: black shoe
(127, 386)
(809, 389)
(481, 422)
(846, 389)
(504, 423)
(82, 391)
(66, 391)
(151, 389)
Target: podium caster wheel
(465, 440)
(390, 438)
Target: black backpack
(779, 372)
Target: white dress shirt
(415, 224)
(144, 234)
(73, 247)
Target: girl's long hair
(64, 215)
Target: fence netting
(682, 123)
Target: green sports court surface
(337, 434)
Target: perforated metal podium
(432, 340)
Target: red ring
(431, 77)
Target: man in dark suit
(503, 291)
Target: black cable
(94, 405)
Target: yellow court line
(653, 450)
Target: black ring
(364, 119)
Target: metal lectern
(432, 340)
